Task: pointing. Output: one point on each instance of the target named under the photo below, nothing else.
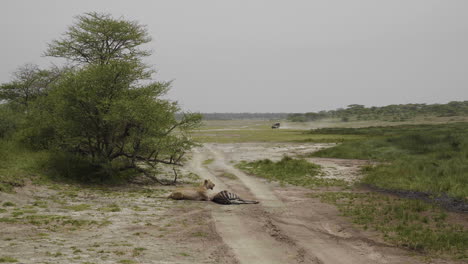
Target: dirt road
(286, 227)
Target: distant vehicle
(275, 125)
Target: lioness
(193, 193)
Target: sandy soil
(138, 224)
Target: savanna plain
(329, 192)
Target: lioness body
(193, 193)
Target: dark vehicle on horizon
(275, 125)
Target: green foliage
(10, 120)
(100, 38)
(428, 158)
(97, 112)
(29, 82)
(18, 163)
(104, 115)
(293, 171)
(393, 113)
(409, 223)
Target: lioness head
(208, 184)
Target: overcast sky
(274, 56)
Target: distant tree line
(395, 113)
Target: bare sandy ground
(137, 224)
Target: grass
(426, 158)
(208, 161)
(78, 207)
(51, 222)
(110, 208)
(267, 135)
(18, 163)
(228, 175)
(127, 261)
(8, 204)
(138, 251)
(7, 259)
(408, 223)
(288, 170)
(199, 234)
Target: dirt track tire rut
(276, 232)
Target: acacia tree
(103, 110)
(29, 82)
(99, 38)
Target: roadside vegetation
(409, 223)
(417, 161)
(413, 162)
(289, 170)
(266, 134)
(424, 158)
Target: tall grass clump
(18, 163)
(288, 170)
(426, 158)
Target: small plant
(228, 175)
(40, 204)
(139, 209)
(127, 261)
(110, 208)
(199, 234)
(138, 251)
(7, 204)
(208, 161)
(55, 255)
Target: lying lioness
(193, 193)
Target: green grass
(127, 261)
(199, 234)
(408, 223)
(51, 222)
(18, 163)
(78, 207)
(288, 170)
(267, 135)
(8, 204)
(208, 161)
(228, 175)
(110, 208)
(7, 259)
(138, 251)
(426, 158)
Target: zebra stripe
(225, 197)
